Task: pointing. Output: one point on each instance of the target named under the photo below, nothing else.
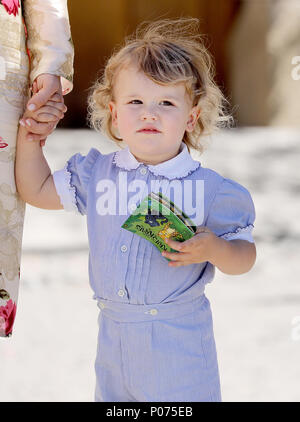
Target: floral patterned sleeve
(49, 39)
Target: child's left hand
(192, 251)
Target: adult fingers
(39, 99)
(47, 85)
(42, 96)
(57, 97)
(34, 87)
(58, 106)
(49, 111)
(39, 128)
(47, 117)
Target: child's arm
(32, 174)
(234, 257)
(231, 257)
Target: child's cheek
(173, 120)
(126, 122)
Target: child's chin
(150, 141)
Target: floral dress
(35, 38)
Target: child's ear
(193, 118)
(113, 111)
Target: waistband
(127, 312)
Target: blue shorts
(152, 353)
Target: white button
(153, 311)
(132, 207)
(123, 248)
(121, 293)
(143, 170)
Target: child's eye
(166, 103)
(135, 102)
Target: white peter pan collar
(177, 167)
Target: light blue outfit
(156, 340)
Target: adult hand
(45, 86)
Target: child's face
(151, 118)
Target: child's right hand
(40, 123)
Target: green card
(157, 218)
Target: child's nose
(148, 114)
(149, 117)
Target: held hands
(44, 109)
(41, 123)
(195, 250)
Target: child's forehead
(130, 80)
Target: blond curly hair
(168, 51)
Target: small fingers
(174, 245)
(174, 256)
(178, 264)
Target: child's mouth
(148, 131)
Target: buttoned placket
(122, 252)
(122, 292)
(125, 245)
(123, 248)
(142, 173)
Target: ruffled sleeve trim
(244, 233)
(65, 191)
(72, 181)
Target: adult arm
(49, 41)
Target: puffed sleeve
(72, 181)
(232, 213)
(49, 40)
